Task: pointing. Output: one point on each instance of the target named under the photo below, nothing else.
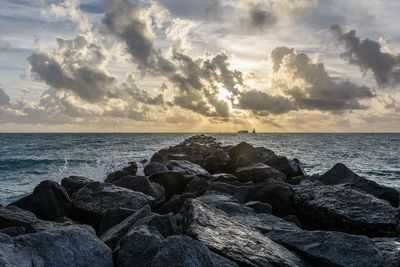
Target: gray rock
(390, 249)
(91, 202)
(226, 203)
(65, 246)
(186, 166)
(198, 186)
(13, 231)
(165, 224)
(13, 216)
(259, 207)
(131, 169)
(218, 162)
(48, 201)
(258, 173)
(338, 208)
(330, 248)
(239, 192)
(112, 236)
(265, 223)
(175, 203)
(279, 195)
(174, 182)
(244, 154)
(225, 178)
(340, 174)
(113, 217)
(74, 183)
(290, 168)
(153, 168)
(233, 239)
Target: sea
(28, 159)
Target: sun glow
(223, 94)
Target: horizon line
(200, 132)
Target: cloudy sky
(199, 65)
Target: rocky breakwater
(204, 204)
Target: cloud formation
(4, 98)
(369, 55)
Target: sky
(199, 65)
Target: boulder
(226, 203)
(225, 177)
(258, 173)
(74, 183)
(131, 169)
(112, 236)
(239, 192)
(158, 157)
(259, 207)
(187, 167)
(165, 224)
(13, 216)
(339, 208)
(390, 249)
(218, 162)
(113, 217)
(174, 182)
(142, 184)
(91, 202)
(143, 246)
(340, 174)
(13, 231)
(234, 240)
(279, 195)
(244, 154)
(290, 168)
(65, 246)
(330, 248)
(198, 186)
(153, 168)
(48, 201)
(175, 203)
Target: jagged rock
(239, 192)
(198, 186)
(64, 246)
(74, 183)
(295, 180)
(165, 224)
(131, 169)
(13, 231)
(258, 173)
(187, 167)
(259, 207)
(293, 219)
(225, 177)
(14, 216)
(340, 174)
(112, 236)
(153, 168)
(143, 246)
(279, 195)
(157, 157)
(265, 223)
(142, 184)
(233, 239)
(330, 248)
(390, 249)
(174, 182)
(339, 208)
(290, 168)
(244, 154)
(178, 157)
(175, 203)
(91, 202)
(113, 217)
(218, 162)
(48, 201)
(226, 203)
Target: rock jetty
(200, 203)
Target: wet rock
(131, 169)
(258, 173)
(91, 202)
(112, 236)
(390, 249)
(187, 167)
(239, 192)
(234, 240)
(13, 216)
(153, 168)
(165, 224)
(218, 162)
(265, 223)
(259, 207)
(142, 184)
(340, 174)
(279, 195)
(74, 183)
(48, 201)
(295, 180)
(225, 177)
(175, 203)
(330, 248)
(198, 186)
(145, 247)
(158, 157)
(244, 154)
(226, 203)
(113, 217)
(174, 182)
(65, 246)
(293, 219)
(13, 231)
(290, 168)
(338, 208)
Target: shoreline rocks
(203, 204)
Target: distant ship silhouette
(246, 131)
(254, 130)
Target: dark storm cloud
(263, 104)
(368, 55)
(4, 98)
(131, 23)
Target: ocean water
(27, 159)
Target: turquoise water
(27, 159)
